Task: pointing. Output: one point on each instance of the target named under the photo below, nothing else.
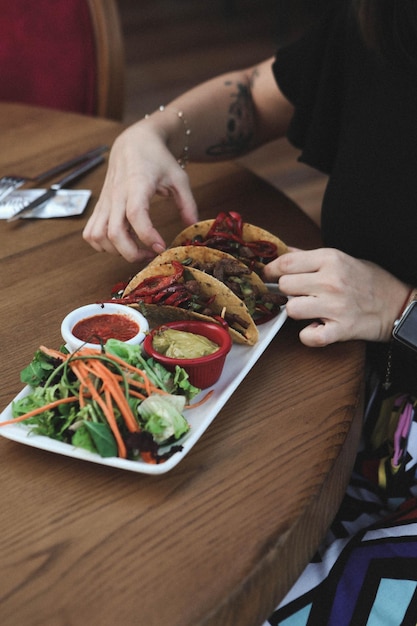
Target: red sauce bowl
(203, 371)
(103, 321)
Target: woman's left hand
(346, 297)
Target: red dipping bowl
(203, 371)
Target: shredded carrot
(41, 409)
(136, 370)
(54, 354)
(148, 458)
(108, 412)
(146, 382)
(137, 394)
(133, 382)
(200, 402)
(121, 448)
(77, 368)
(112, 386)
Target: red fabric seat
(48, 54)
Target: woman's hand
(347, 298)
(225, 117)
(140, 165)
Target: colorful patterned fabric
(365, 573)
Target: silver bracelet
(184, 157)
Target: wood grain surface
(219, 539)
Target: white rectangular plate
(238, 363)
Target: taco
(261, 303)
(250, 244)
(171, 291)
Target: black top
(356, 120)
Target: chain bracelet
(184, 157)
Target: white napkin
(65, 203)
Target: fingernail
(157, 247)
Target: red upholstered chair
(65, 54)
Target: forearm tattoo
(239, 124)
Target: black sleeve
(310, 73)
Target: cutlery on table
(60, 184)
(10, 183)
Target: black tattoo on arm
(240, 123)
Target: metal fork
(10, 183)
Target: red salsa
(99, 328)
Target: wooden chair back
(64, 54)
(110, 58)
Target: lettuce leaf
(162, 417)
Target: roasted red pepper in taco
(228, 232)
(261, 303)
(171, 291)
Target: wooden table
(219, 539)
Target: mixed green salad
(113, 401)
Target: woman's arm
(229, 115)
(221, 119)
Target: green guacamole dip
(179, 344)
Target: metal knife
(8, 184)
(60, 184)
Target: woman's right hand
(140, 166)
(228, 116)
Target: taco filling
(226, 234)
(261, 304)
(179, 289)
